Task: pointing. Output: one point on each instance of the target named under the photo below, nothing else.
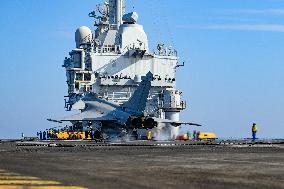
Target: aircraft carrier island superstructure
(110, 63)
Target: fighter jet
(106, 116)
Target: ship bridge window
(77, 60)
(87, 77)
(79, 76)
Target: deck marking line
(16, 181)
(40, 187)
(17, 177)
(28, 182)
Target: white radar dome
(83, 35)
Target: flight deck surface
(141, 164)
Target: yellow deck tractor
(68, 135)
(206, 136)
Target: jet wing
(174, 123)
(53, 120)
(89, 116)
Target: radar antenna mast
(117, 10)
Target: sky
(233, 54)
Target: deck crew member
(40, 135)
(254, 130)
(44, 135)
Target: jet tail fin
(137, 102)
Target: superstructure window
(87, 77)
(79, 76)
(77, 85)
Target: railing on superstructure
(122, 97)
(107, 49)
(89, 41)
(162, 50)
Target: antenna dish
(83, 35)
(130, 18)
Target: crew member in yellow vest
(254, 130)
